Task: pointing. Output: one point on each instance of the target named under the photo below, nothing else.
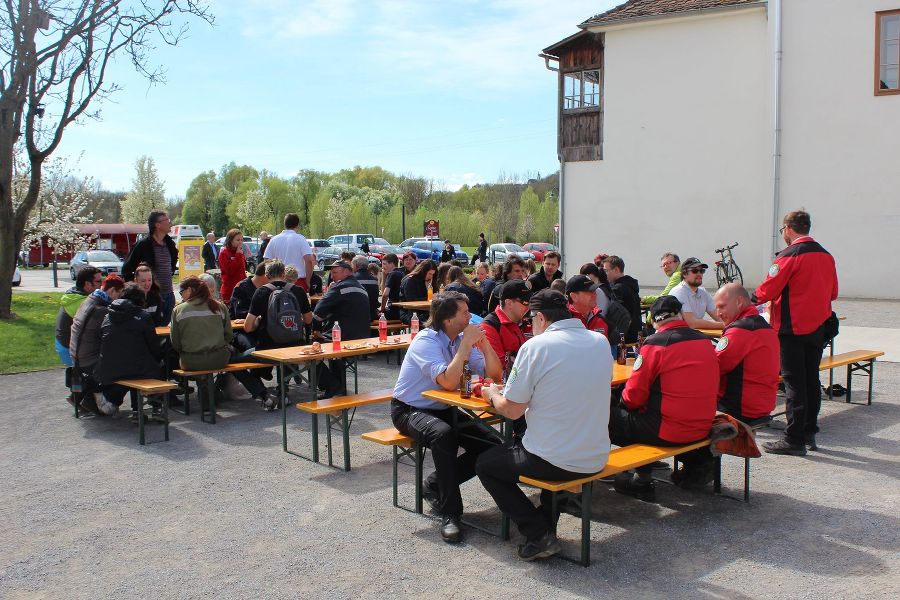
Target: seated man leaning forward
(435, 359)
(748, 354)
(696, 302)
(567, 415)
(669, 400)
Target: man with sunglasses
(695, 300)
(503, 326)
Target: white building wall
(687, 148)
(841, 143)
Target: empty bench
(207, 377)
(856, 361)
(338, 412)
(144, 389)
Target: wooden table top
(236, 325)
(292, 354)
(314, 299)
(414, 304)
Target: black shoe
(809, 440)
(543, 547)
(432, 496)
(659, 465)
(450, 530)
(694, 476)
(628, 484)
(783, 446)
(261, 398)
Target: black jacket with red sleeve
(675, 380)
(801, 284)
(748, 354)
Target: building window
(581, 90)
(887, 52)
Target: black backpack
(284, 321)
(618, 318)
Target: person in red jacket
(801, 285)
(232, 263)
(748, 357)
(581, 292)
(670, 398)
(502, 327)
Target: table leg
(139, 401)
(871, 378)
(328, 438)
(345, 425)
(165, 407)
(281, 384)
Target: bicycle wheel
(721, 275)
(734, 273)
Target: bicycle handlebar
(734, 245)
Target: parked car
(539, 249)
(316, 244)
(351, 241)
(381, 247)
(431, 248)
(498, 252)
(105, 260)
(17, 277)
(329, 254)
(192, 232)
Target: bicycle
(727, 270)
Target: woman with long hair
(202, 335)
(460, 282)
(232, 263)
(415, 287)
(153, 302)
(440, 278)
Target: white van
(186, 232)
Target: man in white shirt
(553, 382)
(696, 302)
(291, 248)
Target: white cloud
(454, 181)
(286, 19)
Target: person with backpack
(613, 312)
(346, 302)
(626, 290)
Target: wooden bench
(855, 360)
(620, 460)
(144, 389)
(207, 376)
(339, 412)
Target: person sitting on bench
(567, 415)
(748, 354)
(669, 400)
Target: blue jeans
(64, 355)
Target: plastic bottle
(336, 337)
(413, 327)
(620, 357)
(465, 381)
(382, 329)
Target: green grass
(28, 341)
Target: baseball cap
(515, 289)
(664, 308)
(580, 283)
(341, 263)
(547, 299)
(693, 263)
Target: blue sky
(450, 90)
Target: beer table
(417, 305)
(236, 325)
(293, 356)
(314, 299)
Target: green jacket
(200, 336)
(674, 280)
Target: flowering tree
(253, 211)
(54, 56)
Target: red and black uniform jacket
(674, 382)
(801, 284)
(505, 336)
(593, 322)
(748, 354)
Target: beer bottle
(465, 381)
(620, 357)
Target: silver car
(498, 252)
(104, 260)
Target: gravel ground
(220, 511)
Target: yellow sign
(190, 259)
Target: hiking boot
(89, 403)
(545, 546)
(783, 446)
(450, 530)
(432, 496)
(628, 484)
(809, 440)
(105, 406)
(270, 403)
(694, 476)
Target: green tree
(147, 192)
(198, 204)
(231, 176)
(252, 213)
(529, 207)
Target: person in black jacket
(368, 282)
(210, 252)
(449, 252)
(548, 274)
(415, 287)
(129, 349)
(480, 255)
(157, 244)
(458, 281)
(626, 290)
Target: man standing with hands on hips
(801, 284)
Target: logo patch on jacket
(773, 270)
(637, 363)
(722, 344)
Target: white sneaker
(105, 406)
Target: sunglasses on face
(783, 227)
(695, 271)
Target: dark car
(330, 254)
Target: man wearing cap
(435, 359)
(368, 282)
(566, 437)
(503, 326)
(347, 303)
(801, 284)
(582, 294)
(748, 357)
(695, 300)
(669, 400)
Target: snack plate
(358, 346)
(311, 351)
(390, 342)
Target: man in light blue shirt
(435, 359)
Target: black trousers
(633, 427)
(800, 358)
(332, 378)
(433, 428)
(499, 469)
